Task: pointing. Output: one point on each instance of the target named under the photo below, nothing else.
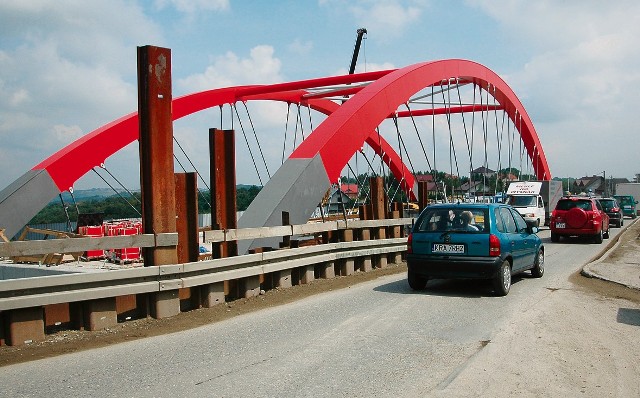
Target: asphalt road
(377, 339)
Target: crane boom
(361, 32)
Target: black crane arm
(361, 32)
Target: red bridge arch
(334, 141)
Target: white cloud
(193, 6)
(261, 67)
(67, 134)
(19, 97)
(580, 83)
(368, 67)
(66, 68)
(301, 48)
(390, 17)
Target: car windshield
(625, 200)
(522, 201)
(608, 204)
(458, 219)
(568, 204)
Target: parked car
(472, 241)
(613, 210)
(628, 204)
(579, 216)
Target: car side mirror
(531, 227)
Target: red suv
(579, 216)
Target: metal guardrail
(40, 291)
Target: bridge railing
(210, 281)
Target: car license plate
(447, 248)
(560, 225)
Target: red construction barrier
(94, 231)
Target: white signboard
(524, 188)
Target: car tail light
(494, 246)
(409, 240)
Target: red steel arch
(345, 130)
(341, 134)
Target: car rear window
(625, 200)
(568, 204)
(608, 203)
(442, 219)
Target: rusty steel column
(156, 150)
(187, 227)
(187, 217)
(376, 185)
(223, 187)
(423, 195)
(224, 208)
(378, 202)
(157, 180)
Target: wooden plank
(80, 245)
(259, 232)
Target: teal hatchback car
(472, 241)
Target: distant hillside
(101, 193)
(87, 194)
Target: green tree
(127, 206)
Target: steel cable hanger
(257, 140)
(194, 168)
(301, 124)
(65, 208)
(103, 167)
(286, 128)
(115, 190)
(434, 171)
(74, 200)
(485, 138)
(452, 150)
(464, 126)
(248, 146)
(499, 138)
(395, 122)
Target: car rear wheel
(599, 237)
(502, 281)
(606, 234)
(538, 265)
(416, 282)
(621, 222)
(555, 237)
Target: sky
(68, 67)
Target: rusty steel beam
(223, 187)
(423, 195)
(187, 217)
(156, 150)
(378, 200)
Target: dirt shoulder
(581, 340)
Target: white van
(525, 197)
